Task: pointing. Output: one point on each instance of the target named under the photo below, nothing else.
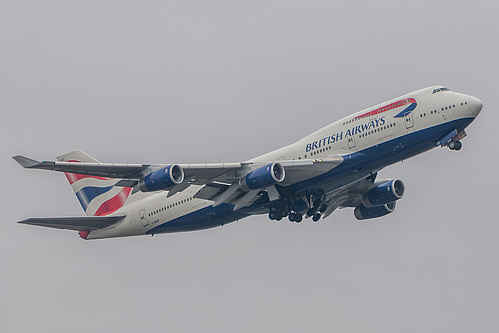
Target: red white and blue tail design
(97, 195)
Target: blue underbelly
(205, 218)
(358, 164)
(355, 166)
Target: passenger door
(351, 141)
(409, 120)
(143, 218)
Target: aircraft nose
(475, 105)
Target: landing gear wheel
(316, 217)
(455, 145)
(292, 217)
(322, 208)
(298, 217)
(311, 212)
(272, 215)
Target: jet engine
(162, 179)
(262, 177)
(384, 193)
(363, 213)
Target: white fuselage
(383, 134)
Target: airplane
(334, 167)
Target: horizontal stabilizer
(25, 162)
(83, 223)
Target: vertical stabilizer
(97, 195)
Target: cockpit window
(440, 89)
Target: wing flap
(83, 223)
(297, 171)
(211, 191)
(203, 173)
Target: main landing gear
(317, 209)
(295, 213)
(279, 214)
(295, 217)
(455, 145)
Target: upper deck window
(440, 89)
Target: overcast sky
(224, 81)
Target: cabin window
(440, 89)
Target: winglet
(25, 162)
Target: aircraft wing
(299, 170)
(111, 170)
(221, 180)
(84, 223)
(200, 174)
(226, 189)
(126, 171)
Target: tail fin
(97, 195)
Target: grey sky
(179, 81)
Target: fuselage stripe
(391, 106)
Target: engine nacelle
(385, 193)
(265, 176)
(162, 179)
(363, 213)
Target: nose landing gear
(455, 145)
